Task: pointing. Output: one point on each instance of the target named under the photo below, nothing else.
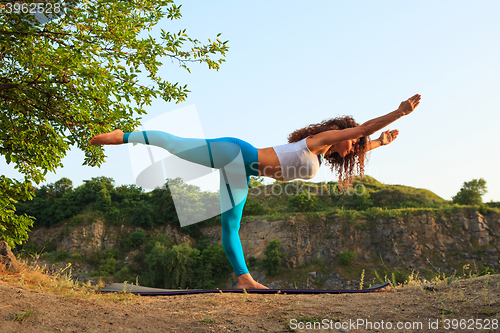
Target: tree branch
(3, 32)
(5, 86)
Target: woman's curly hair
(346, 166)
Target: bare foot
(111, 138)
(246, 281)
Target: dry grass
(34, 277)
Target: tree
(71, 78)
(171, 267)
(471, 193)
(63, 186)
(13, 228)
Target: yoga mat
(146, 291)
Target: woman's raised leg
(219, 153)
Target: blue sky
(292, 64)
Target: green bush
(125, 274)
(171, 268)
(107, 267)
(274, 257)
(303, 202)
(362, 199)
(143, 215)
(181, 266)
(253, 207)
(76, 256)
(346, 258)
(56, 256)
(134, 240)
(114, 216)
(483, 209)
(252, 261)
(215, 256)
(471, 192)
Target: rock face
(7, 258)
(88, 239)
(412, 240)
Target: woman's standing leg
(231, 219)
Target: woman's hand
(409, 105)
(387, 137)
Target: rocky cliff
(414, 241)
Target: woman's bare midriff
(269, 165)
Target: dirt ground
(442, 307)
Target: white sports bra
(297, 161)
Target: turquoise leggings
(219, 154)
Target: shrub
(483, 209)
(346, 258)
(143, 215)
(171, 267)
(215, 256)
(134, 240)
(114, 216)
(471, 192)
(303, 202)
(273, 260)
(253, 207)
(107, 267)
(252, 261)
(362, 200)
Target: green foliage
(134, 240)
(493, 204)
(347, 257)
(105, 261)
(274, 257)
(303, 202)
(252, 208)
(215, 257)
(103, 200)
(362, 199)
(485, 270)
(13, 227)
(114, 215)
(72, 78)
(107, 267)
(471, 193)
(483, 209)
(54, 203)
(142, 214)
(126, 273)
(56, 256)
(171, 267)
(196, 205)
(252, 261)
(181, 266)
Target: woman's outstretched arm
(406, 107)
(384, 139)
(325, 139)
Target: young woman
(340, 141)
